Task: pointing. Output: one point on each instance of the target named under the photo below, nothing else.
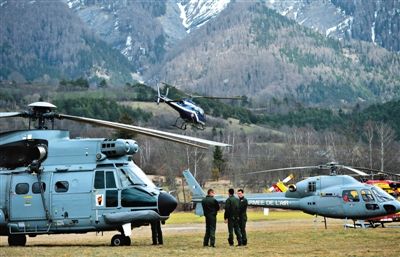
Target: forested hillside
(42, 40)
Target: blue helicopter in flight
(53, 184)
(189, 112)
(332, 196)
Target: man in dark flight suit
(156, 232)
(231, 217)
(210, 208)
(242, 215)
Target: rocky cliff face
(131, 27)
(374, 21)
(371, 21)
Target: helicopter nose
(166, 203)
(392, 208)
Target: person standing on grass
(231, 217)
(156, 232)
(242, 215)
(210, 208)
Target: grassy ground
(253, 215)
(295, 235)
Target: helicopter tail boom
(195, 188)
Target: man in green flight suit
(242, 215)
(210, 208)
(231, 217)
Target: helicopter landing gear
(120, 240)
(199, 126)
(17, 240)
(182, 124)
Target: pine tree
(218, 163)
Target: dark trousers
(156, 233)
(233, 225)
(242, 226)
(211, 224)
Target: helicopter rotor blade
(377, 171)
(11, 114)
(201, 96)
(149, 132)
(326, 166)
(359, 172)
(217, 97)
(281, 169)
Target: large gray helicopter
(333, 196)
(50, 183)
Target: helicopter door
(351, 202)
(25, 197)
(105, 193)
(330, 202)
(71, 196)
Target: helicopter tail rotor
(159, 94)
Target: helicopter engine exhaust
(119, 147)
(41, 152)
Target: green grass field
(253, 215)
(279, 234)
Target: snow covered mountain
(195, 13)
(131, 27)
(322, 16)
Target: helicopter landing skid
(198, 126)
(182, 125)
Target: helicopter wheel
(16, 240)
(120, 240)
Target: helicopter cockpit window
(133, 175)
(61, 186)
(110, 180)
(22, 188)
(111, 198)
(367, 196)
(381, 195)
(36, 187)
(101, 182)
(198, 109)
(99, 179)
(350, 196)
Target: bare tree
(369, 133)
(386, 136)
